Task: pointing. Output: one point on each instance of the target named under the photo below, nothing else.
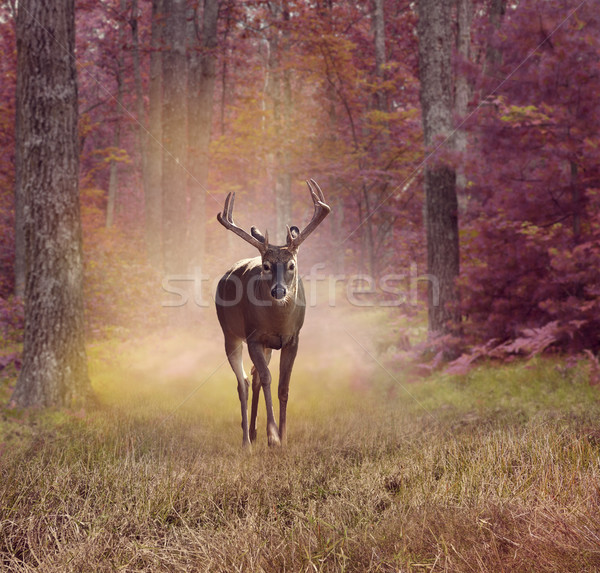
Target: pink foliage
(531, 233)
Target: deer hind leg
(233, 347)
(256, 395)
(257, 354)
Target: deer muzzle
(279, 288)
(278, 292)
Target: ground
(498, 470)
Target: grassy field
(495, 471)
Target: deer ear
(292, 233)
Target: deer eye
(291, 266)
(266, 267)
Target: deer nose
(278, 292)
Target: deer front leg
(256, 395)
(234, 355)
(288, 355)
(256, 352)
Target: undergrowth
(498, 470)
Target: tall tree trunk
(382, 143)
(279, 89)
(141, 131)
(493, 57)
(20, 252)
(54, 371)
(201, 87)
(577, 201)
(283, 197)
(153, 177)
(229, 23)
(463, 89)
(174, 135)
(435, 67)
(380, 54)
(336, 218)
(113, 179)
(368, 235)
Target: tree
(20, 250)
(113, 182)
(441, 205)
(201, 87)
(152, 150)
(380, 53)
(462, 84)
(532, 231)
(278, 86)
(174, 176)
(54, 369)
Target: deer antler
(321, 211)
(226, 219)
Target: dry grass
(499, 471)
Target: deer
(260, 301)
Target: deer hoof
(273, 436)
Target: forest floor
(497, 470)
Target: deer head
(279, 263)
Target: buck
(261, 301)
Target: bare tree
(54, 371)
(435, 67)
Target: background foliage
(528, 208)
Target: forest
(444, 404)
(177, 107)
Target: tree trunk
(113, 179)
(577, 201)
(380, 55)
(54, 371)
(493, 57)
(174, 135)
(368, 237)
(435, 67)
(153, 178)
(280, 93)
(201, 73)
(141, 132)
(20, 252)
(463, 90)
(229, 24)
(382, 143)
(283, 196)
